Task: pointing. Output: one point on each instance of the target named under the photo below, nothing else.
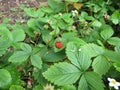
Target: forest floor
(10, 8)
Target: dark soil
(10, 8)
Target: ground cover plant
(66, 45)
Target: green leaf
(101, 65)
(83, 85)
(16, 87)
(5, 79)
(114, 41)
(18, 57)
(36, 61)
(106, 32)
(117, 48)
(77, 40)
(91, 81)
(51, 56)
(72, 0)
(4, 32)
(46, 36)
(21, 56)
(115, 17)
(37, 75)
(15, 74)
(79, 58)
(92, 37)
(4, 44)
(67, 18)
(38, 87)
(117, 66)
(93, 49)
(39, 13)
(56, 6)
(112, 56)
(18, 35)
(62, 74)
(96, 23)
(34, 13)
(94, 81)
(32, 24)
(66, 36)
(26, 47)
(69, 87)
(46, 10)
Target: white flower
(113, 83)
(74, 13)
(79, 49)
(60, 14)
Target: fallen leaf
(77, 5)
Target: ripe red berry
(58, 45)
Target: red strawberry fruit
(58, 44)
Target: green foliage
(17, 37)
(112, 56)
(72, 0)
(62, 74)
(16, 87)
(48, 55)
(78, 56)
(106, 32)
(114, 41)
(88, 82)
(36, 61)
(56, 5)
(101, 65)
(90, 46)
(5, 79)
(68, 87)
(21, 56)
(117, 66)
(115, 17)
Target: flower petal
(116, 87)
(111, 84)
(110, 79)
(118, 84)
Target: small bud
(106, 17)
(60, 14)
(19, 68)
(74, 13)
(46, 26)
(29, 83)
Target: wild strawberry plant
(67, 45)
